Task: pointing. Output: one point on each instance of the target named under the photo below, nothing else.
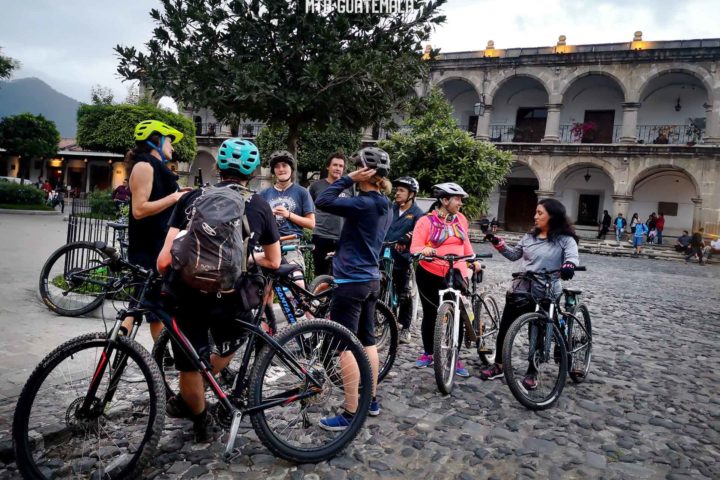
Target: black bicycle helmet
(448, 189)
(281, 156)
(408, 182)
(373, 157)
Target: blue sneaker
(424, 360)
(374, 408)
(460, 370)
(337, 423)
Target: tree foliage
(100, 95)
(314, 145)
(270, 61)
(435, 150)
(111, 128)
(7, 65)
(28, 136)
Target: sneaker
(405, 336)
(491, 373)
(337, 423)
(530, 381)
(374, 408)
(177, 408)
(203, 427)
(460, 370)
(424, 360)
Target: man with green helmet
(198, 312)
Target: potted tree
(583, 131)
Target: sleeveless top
(147, 235)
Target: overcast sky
(69, 44)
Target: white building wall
(659, 107)
(507, 102)
(666, 187)
(569, 189)
(596, 98)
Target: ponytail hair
(142, 148)
(382, 183)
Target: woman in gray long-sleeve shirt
(551, 245)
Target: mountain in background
(37, 97)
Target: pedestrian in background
(640, 230)
(605, 224)
(620, 224)
(696, 246)
(660, 226)
(633, 222)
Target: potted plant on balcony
(693, 132)
(583, 131)
(663, 136)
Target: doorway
(530, 125)
(520, 207)
(605, 122)
(588, 208)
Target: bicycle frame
(303, 296)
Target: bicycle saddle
(109, 251)
(573, 291)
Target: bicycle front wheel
(580, 344)
(387, 338)
(535, 370)
(445, 354)
(116, 437)
(487, 320)
(75, 279)
(289, 406)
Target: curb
(29, 212)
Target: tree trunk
(292, 144)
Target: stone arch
(607, 168)
(460, 78)
(498, 84)
(649, 172)
(205, 161)
(590, 72)
(693, 70)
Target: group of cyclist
(354, 217)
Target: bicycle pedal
(487, 350)
(234, 454)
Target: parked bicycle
(547, 344)
(84, 412)
(464, 313)
(388, 295)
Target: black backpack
(211, 255)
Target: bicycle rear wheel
(487, 320)
(525, 353)
(444, 354)
(289, 424)
(74, 280)
(387, 339)
(580, 344)
(116, 438)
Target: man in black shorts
(196, 313)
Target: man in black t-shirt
(197, 312)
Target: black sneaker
(203, 424)
(177, 408)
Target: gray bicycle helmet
(448, 189)
(373, 157)
(281, 156)
(408, 182)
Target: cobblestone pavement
(649, 409)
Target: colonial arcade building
(624, 127)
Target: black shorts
(210, 325)
(353, 306)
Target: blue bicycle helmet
(238, 154)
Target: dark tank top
(147, 235)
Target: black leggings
(428, 287)
(509, 315)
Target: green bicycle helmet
(143, 130)
(238, 154)
(281, 156)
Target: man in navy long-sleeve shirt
(355, 268)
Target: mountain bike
(388, 295)
(462, 308)
(83, 411)
(542, 347)
(79, 276)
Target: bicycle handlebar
(546, 273)
(292, 248)
(452, 258)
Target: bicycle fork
(456, 313)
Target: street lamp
(480, 106)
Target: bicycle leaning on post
(84, 412)
(463, 313)
(547, 344)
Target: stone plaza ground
(649, 409)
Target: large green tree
(314, 145)
(434, 150)
(271, 61)
(28, 136)
(7, 65)
(111, 128)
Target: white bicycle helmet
(448, 189)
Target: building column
(483, 125)
(502, 203)
(544, 194)
(621, 204)
(552, 124)
(697, 213)
(628, 133)
(712, 124)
